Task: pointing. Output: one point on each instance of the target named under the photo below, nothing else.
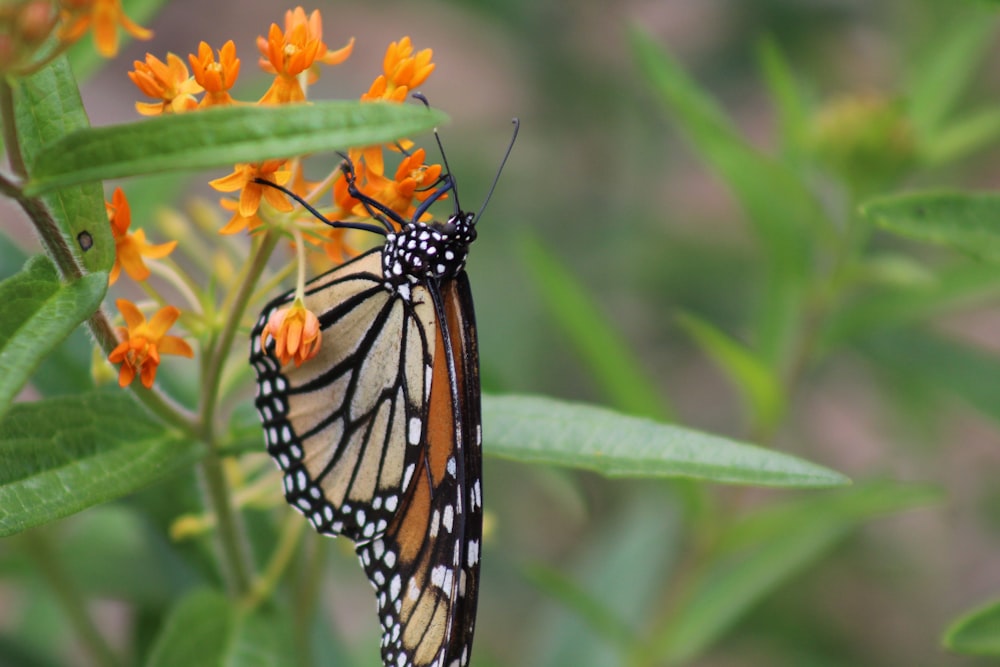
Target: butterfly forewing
(425, 569)
(345, 426)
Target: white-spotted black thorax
(422, 251)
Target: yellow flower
(251, 192)
(296, 333)
(402, 72)
(168, 82)
(130, 248)
(216, 77)
(105, 16)
(143, 342)
(289, 52)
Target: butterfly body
(379, 435)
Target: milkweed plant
(132, 466)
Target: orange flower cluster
(143, 342)
(292, 53)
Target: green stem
(234, 560)
(44, 557)
(9, 129)
(288, 542)
(232, 313)
(235, 557)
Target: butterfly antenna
(336, 224)
(496, 179)
(444, 158)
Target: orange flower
(403, 72)
(105, 16)
(337, 247)
(130, 248)
(169, 82)
(216, 77)
(251, 192)
(143, 342)
(413, 180)
(238, 222)
(296, 333)
(288, 53)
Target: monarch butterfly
(379, 436)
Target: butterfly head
(422, 251)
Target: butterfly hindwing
(425, 569)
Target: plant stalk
(43, 555)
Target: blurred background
(604, 200)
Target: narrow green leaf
(952, 367)
(616, 369)
(61, 455)
(976, 633)
(783, 211)
(611, 584)
(205, 629)
(757, 384)
(218, 137)
(955, 287)
(776, 545)
(792, 117)
(942, 73)
(543, 430)
(598, 618)
(39, 313)
(967, 222)
(962, 137)
(47, 107)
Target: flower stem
(232, 313)
(234, 561)
(39, 546)
(235, 557)
(288, 542)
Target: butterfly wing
(425, 568)
(346, 426)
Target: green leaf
(942, 73)
(205, 629)
(967, 222)
(47, 107)
(954, 287)
(781, 208)
(616, 369)
(218, 137)
(962, 137)
(766, 550)
(758, 385)
(792, 117)
(61, 455)
(612, 583)
(976, 633)
(39, 313)
(950, 366)
(542, 430)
